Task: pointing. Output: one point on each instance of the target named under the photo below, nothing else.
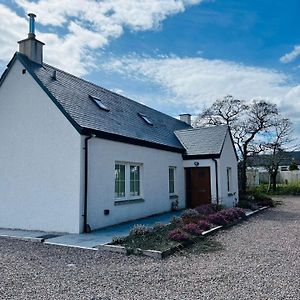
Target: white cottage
(75, 156)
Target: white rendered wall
(40, 168)
(228, 159)
(155, 173)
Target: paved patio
(88, 240)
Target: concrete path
(105, 235)
(23, 234)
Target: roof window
(145, 118)
(99, 103)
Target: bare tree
(279, 143)
(248, 123)
(225, 111)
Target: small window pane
(229, 179)
(146, 119)
(171, 180)
(99, 103)
(134, 180)
(119, 181)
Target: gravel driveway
(258, 259)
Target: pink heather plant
(178, 235)
(217, 219)
(203, 225)
(193, 229)
(206, 209)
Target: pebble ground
(257, 259)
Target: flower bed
(189, 228)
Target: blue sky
(174, 55)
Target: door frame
(188, 184)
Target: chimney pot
(186, 118)
(31, 47)
(31, 24)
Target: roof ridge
(203, 127)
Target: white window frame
(229, 179)
(175, 180)
(127, 181)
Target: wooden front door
(198, 190)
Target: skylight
(146, 119)
(99, 103)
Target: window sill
(129, 201)
(173, 196)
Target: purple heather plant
(177, 222)
(190, 213)
(217, 219)
(193, 229)
(203, 225)
(206, 209)
(229, 215)
(240, 212)
(178, 235)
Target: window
(99, 103)
(127, 181)
(146, 119)
(229, 179)
(119, 181)
(134, 181)
(172, 175)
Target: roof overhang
(128, 140)
(200, 156)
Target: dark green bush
(261, 198)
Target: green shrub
(282, 189)
(158, 226)
(262, 199)
(118, 240)
(293, 166)
(140, 229)
(244, 204)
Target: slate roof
(204, 140)
(264, 159)
(122, 122)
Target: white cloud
(291, 56)
(89, 25)
(194, 83)
(12, 30)
(197, 81)
(107, 15)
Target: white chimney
(186, 118)
(31, 47)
